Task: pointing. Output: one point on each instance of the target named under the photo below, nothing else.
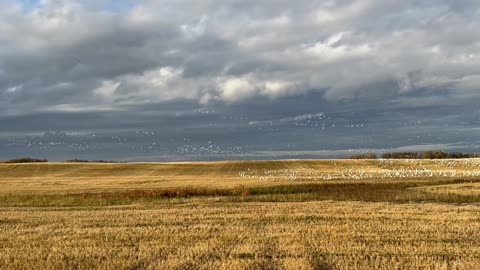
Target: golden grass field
(309, 214)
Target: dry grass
(463, 189)
(241, 215)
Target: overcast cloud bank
(118, 66)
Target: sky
(237, 79)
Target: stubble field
(325, 214)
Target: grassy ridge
(368, 192)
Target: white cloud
(277, 88)
(298, 118)
(468, 84)
(107, 89)
(140, 15)
(236, 89)
(76, 108)
(14, 88)
(196, 29)
(329, 51)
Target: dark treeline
(24, 160)
(417, 155)
(91, 161)
(428, 155)
(35, 160)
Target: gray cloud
(89, 65)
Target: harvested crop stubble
(208, 234)
(370, 214)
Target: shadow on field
(369, 192)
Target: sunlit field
(309, 214)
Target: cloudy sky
(216, 79)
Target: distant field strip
(83, 177)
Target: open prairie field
(308, 214)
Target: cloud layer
(229, 51)
(130, 60)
